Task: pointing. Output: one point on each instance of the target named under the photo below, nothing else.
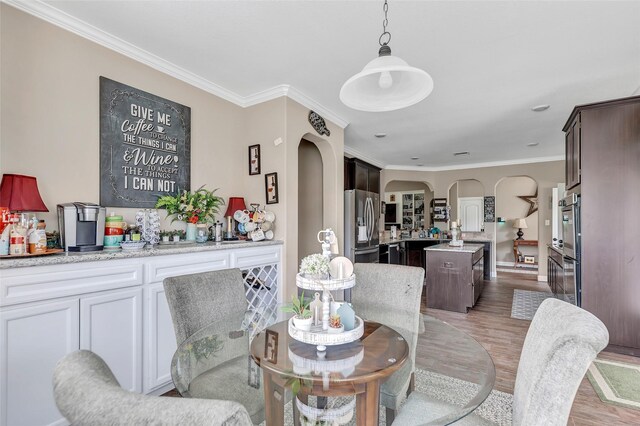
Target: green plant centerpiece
(315, 266)
(199, 206)
(303, 317)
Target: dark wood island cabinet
(455, 276)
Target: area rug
(616, 383)
(496, 408)
(525, 303)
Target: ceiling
(490, 62)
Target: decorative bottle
(316, 309)
(38, 239)
(17, 239)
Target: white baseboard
(542, 278)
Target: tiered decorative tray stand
(319, 335)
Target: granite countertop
(399, 240)
(466, 248)
(157, 250)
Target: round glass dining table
(251, 358)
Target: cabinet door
(361, 177)
(160, 338)
(572, 153)
(374, 180)
(111, 326)
(32, 340)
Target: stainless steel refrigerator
(361, 217)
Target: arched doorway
(407, 205)
(466, 199)
(310, 198)
(516, 208)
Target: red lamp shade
(20, 194)
(235, 203)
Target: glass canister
(113, 231)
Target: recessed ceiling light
(415, 158)
(380, 135)
(533, 144)
(539, 108)
(457, 154)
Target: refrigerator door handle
(371, 219)
(368, 251)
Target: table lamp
(520, 224)
(234, 204)
(19, 193)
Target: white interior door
(471, 213)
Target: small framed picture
(271, 187)
(392, 198)
(254, 160)
(529, 259)
(271, 346)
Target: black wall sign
(145, 146)
(490, 209)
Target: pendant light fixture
(387, 83)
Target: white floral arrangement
(315, 264)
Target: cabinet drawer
(22, 285)
(172, 266)
(255, 256)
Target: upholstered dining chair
(87, 393)
(390, 295)
(197, 300)
(202, 299)
(561, 343)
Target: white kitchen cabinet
(111, 326)
(116, 308)
(33, 338)
(160, 339)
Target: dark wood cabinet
(361, 175)
(455, 279)
(609, 151)
(555, 272)
(572, 153)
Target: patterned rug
(616, 383)
(496, 408)
(525, 303)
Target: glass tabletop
(225, 360)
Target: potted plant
(315, 266)
(166, 235)
(197, 207)
(178, 235)
(303, 316)
(335, 325)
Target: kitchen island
(454, 276)
(412, 250)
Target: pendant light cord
(385, 22)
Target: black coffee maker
(81, 226)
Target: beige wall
(547, 175)
(453, 202)
(470, 188)
(310, 203)
(509, 206)
(49, 112)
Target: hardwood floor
(490, 323)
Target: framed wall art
(254, 160)
(145, 146)
(271, 187)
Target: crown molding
(363, 157)
(72, 24)
(476, 165)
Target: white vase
(302, 323)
